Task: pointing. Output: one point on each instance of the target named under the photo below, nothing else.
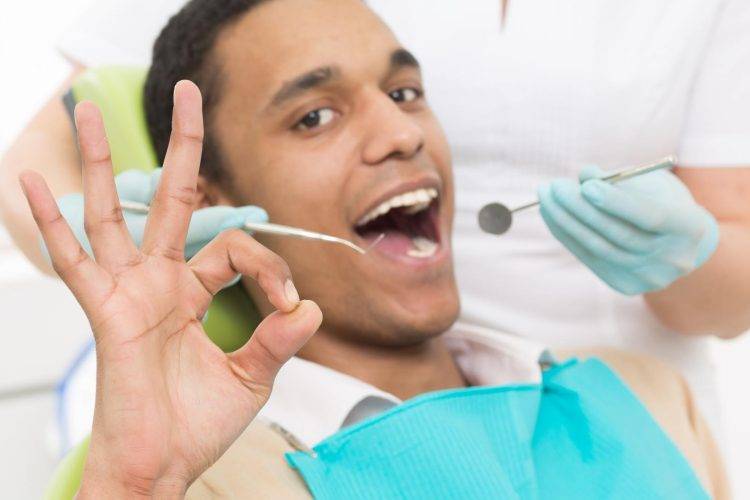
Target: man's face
(322, 122)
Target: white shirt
(312, 402)
(564, 84)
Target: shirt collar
(313, 402)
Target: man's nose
(391, 133)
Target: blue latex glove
(134, 185)
(638, 235)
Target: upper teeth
(416, 201)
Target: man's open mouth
(409, 222)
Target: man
(316, 113)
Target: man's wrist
(98, 483)
(96, 488)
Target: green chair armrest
(67, 477)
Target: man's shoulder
(666, 395)
(253, 467)
(648, 377)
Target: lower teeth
(423, 248)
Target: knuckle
(271, 268)
(272, 358)
(656, 222)
(63, 267)
(269, 265)
(55, 220)
(600, 249)
(279, 265)
(270, 261)
(183, 195)
(191, 136)
(231, 239)
(112, 216)
(171, 252)
(237, 237)
(98, 153)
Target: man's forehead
(281, 39)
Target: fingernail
(291, 292)
(593, 191)
(234, 281)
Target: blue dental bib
(580, 434)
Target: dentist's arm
(169, 402)
(716, 297)
(680, 240)
(46, 145)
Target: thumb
(278, 337)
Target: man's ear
(209, 194)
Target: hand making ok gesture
(169, 402)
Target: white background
(42, 329)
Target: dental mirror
(496, 218)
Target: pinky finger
(70, 261)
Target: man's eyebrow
(401, 58)
(304, 82)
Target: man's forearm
(715, 299)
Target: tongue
(394, 242)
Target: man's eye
(407, 94)
(316, 118)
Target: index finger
(175, 197)
(645, 213)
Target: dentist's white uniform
(562, 85)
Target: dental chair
(231, 318)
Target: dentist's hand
(638, 235)
(169, 402)
(138, 186)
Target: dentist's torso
(563, 84)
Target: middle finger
(103, 220)
(175, 197)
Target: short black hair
(183, 52)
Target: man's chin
(416, 328)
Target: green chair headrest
(118, 91)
